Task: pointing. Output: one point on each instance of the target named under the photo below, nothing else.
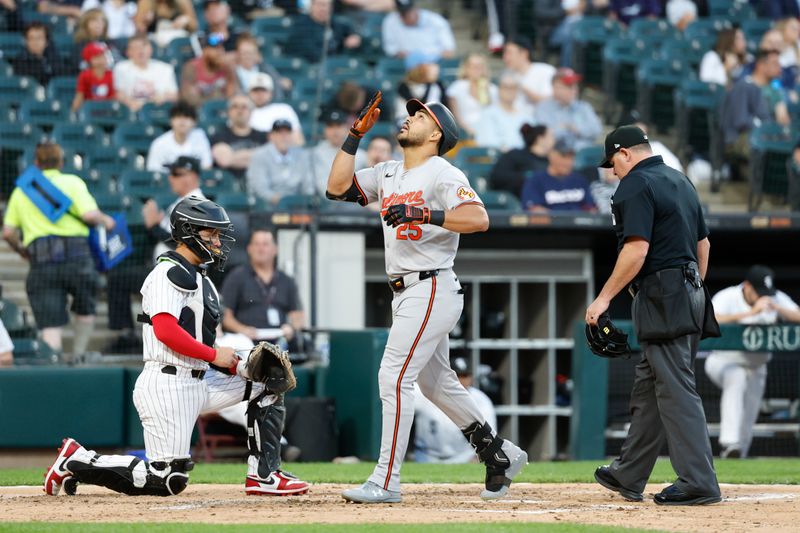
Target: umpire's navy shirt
(660, 205)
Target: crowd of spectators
(254, 90)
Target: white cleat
(369, 492)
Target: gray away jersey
(435, 184)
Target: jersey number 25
(408, 231)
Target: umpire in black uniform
(663, 251)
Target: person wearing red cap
(97, 81)
(566, 115)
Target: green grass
(494, 527)
(757, 471)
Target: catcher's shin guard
(130, 475)
(264, 430)
(489, 450)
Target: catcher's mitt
(607, 340)
(270, 365)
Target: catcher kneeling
(185, 375)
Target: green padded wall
(352, 379)
(40, 406)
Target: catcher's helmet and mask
(194, 214)
(607, 340)
(443, 118)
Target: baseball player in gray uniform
(426, 203)
(181, 314)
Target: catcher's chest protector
(204, 303)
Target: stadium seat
(110, 161)
(17, 89)
(500, 201)
(234, 201)
(62, 88)
(110, 202)
(392, 69)
(11, 44)
(218, 180)
(688, 51)
(105, 114)
(476, 162)
(291, 67)
(753, 30)
(620, 58)
(589, 37)
(65, 46)
(213, 110)
(719, 8)
(695, 102)
(29, 351)
(156, 114)
(647, 28)
(178, 51)
(5, 68)
(276, 29)
(589, 157)
(771, 147)
(706, 27)
(656, 82)
(15, 320)
(138, 183)
(385, 129)
(300, 202)
(19, 136)
(45, 114)
(135, 136)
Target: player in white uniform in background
(181, 313)
(436, 438)
(426, 202)
(743, 375)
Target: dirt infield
(745, 508)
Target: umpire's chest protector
(202, 313)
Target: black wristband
(437, 218)
(350, 145)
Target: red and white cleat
(58, 473)
(279, 483)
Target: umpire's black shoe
(672, 495)
(604, 477)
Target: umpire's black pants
(665, 404)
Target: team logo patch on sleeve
(465, 193)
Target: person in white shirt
(743, 375)
(266, 112)
(472, 92)
(412, 29)
(183, 139)
(140, 79)
(681, 13)
(723, 63)
(500, 124)
(6, 347)
(437, 439)
(119, 14)
(535, 79)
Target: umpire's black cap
(443, 118)
(622, 137)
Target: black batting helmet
(194, 214)
(444, 119)
(607, 340)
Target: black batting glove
(406, 214)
